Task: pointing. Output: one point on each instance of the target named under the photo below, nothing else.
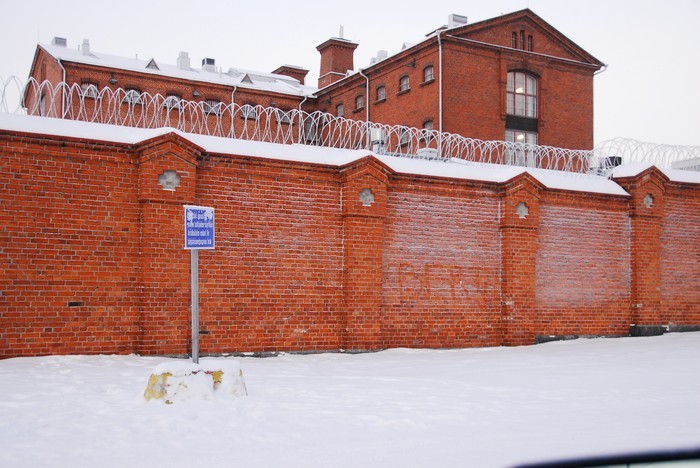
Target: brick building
(514, 77)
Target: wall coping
(456, 170)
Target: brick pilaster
(646, 213)
(519, 226)
(167, 180)
(364, 195)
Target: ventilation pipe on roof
(439, 41)
(59, 41)
(360, 71)
(183, 61)
(209, 64)
(85, 48)
(381, 55)
(454, 20)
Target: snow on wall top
(233, 77)
(454, 169)
(676, 175)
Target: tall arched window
(521, 95)
(521, 118)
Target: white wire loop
(273, 125)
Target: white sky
(649, 91)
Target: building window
(212, 106)
(133, 96)
(381, 93)
(521, 155)
(248, 111)
(514, 40)
(88, 89)
(404, 84)
(311, 130)
(529, 43)
(172, 101)
(427, 131)
(521, 95)
(340, 110)
(428, 74)
(283, 116)
(359, 102)
(522, 39)
(404, 137)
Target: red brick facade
(313, 257)
(454, 81)
(469, 67)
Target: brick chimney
(297, 73)
(336, 60)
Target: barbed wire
(661, 155)
(273, 125)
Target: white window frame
(404, 83)
(213, 106)
(404, 137)
(340, 110)
(524, 154)
(248, 111)
(521, 94)
(172, 101)
(381, 93)
(88, 89)
(132, 96)
(360, 102)
(283, 116)
(428, 73)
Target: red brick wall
(274, 281)
(680, 256)
(472, 101)
(69, 247)
(441, 266)
(542, 41)
(45, 68)
(93, 259)
(474, 91)
(583, 266)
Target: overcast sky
(649, 91)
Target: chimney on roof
(209, 64)
(336, 60)
(59, 41)
(297, 73)
(85, 48)
(183, 61)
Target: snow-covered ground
(397, 408)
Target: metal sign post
(199, 235)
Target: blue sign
(199, 227)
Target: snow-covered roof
(232, 77)
(455, 169)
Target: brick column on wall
(364, 198)
(520, 215)
(167, 181)
(646, 214)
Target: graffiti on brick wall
(445, 283)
